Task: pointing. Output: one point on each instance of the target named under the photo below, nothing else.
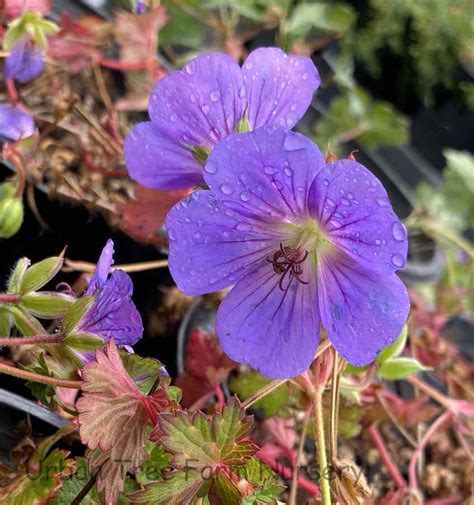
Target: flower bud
(11, 216)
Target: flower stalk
(37, 339)
(9, 298)
(42, 379)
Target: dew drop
(227, 189)
(190, 68)
(205, 109)
(245, 196)
(326, 182)
(210, 167)
(383, 202)
(399, 232)
(335, 224)
(270, 170)
(288, 172)
(171, 234)
(214, 135)
(244, 227)
(248, 66)
(305, 76)
(330, 202)
(242, 92)
(192, 98)
(345, 202)
(198, 235)
(398, 261)
(215, 95)
(173, 117)
(293, 107)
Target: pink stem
(11, 90)
(7, 298)
(220, 398)
(42, 379)
(287, 473)
(387, 459)
(447, 500)
(37, 339)
(412, 468)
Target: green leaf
(395, 349)
(400, 368)
(84, 341)
(38, 487)
(40, 274)
(151, 469)
(25, 322)
(178, 488)
(264, 480)
(226, 490)
(5, 323)
(13, 33)
(144, 371)
(47, 304)
(73, 485)
(328, 17)
(44, 393)
(247, 384)
(182, 30)
(75, 313)
(198, 442)
(16, 277)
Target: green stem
(317, 404)
(37, 339)
(42, 379)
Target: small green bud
(40, 274)
(16, 277)
(47, 304)
(11, 216)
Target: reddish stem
(447, 500)
(11, 90)
(387, 459)
(42, 379)
(8, 298)
(287, 473)
(434, 427)
(37, 339)
(123, 65)
(220, 398)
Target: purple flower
(24, 62)
(140, 7)
(303, 242)
(193, 109)
(111, 313)
(14, 123)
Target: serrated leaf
(247, 384)
(199, 442)
(73, 485)
(25, 322)
(178, 488)
(395, 349)
(75, 313)
(151, 469)
(40, 274)
(114, 420)
(44, 393)
(400, 368)
(262, 478)
(226, 489)
(47, 304)
(39, 487)
(17, 275)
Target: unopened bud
(11, 216)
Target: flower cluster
(303, 243)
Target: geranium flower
(112, 313)
(14, 123)
(193, 109)
(24, 62)
(303, 242)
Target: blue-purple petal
(266, 173)
(211, 246)
(158, 162)
(102, 269)
(279, 87)
(354, 209)
(24, 62)
(112, 313)
(14, 123)
(201, 104)
(361, 311)
(273, 330)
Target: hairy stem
(37, 339)
(8, 298)
(84, 266)
(42, 379)
(294, 480)
(317, 404)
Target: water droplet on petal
(205, 109)
(193, 98)
(171, 234)
(399, 232)
(214, 135)
(245, 196)
(326, 182)
(227, 189)
(210, 167)
(190, 68)
(242, 92)
(305, 76)
(288, 172)
(244, 227)
(293, 107)
(383, 202)
(215, 95)
(398, 261)
(270, 170)
(345, 201)
(198, 235)
(248, 66)
(173, 118)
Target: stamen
(286, 262)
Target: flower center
(287, 263)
